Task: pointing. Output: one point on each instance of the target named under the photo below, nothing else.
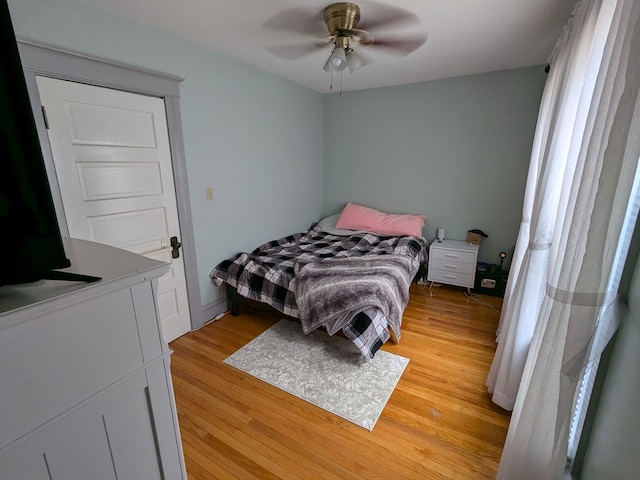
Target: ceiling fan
(339, 27)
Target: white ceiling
(464, 36)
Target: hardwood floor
(438, 424)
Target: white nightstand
(453, 262)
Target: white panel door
(113, 165)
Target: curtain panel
(581, 204)
(551, 171)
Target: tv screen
(31, 242)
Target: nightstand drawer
(453, 266)
(451, 278)
(453, 255)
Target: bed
(352, 279)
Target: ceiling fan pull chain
(340, 82)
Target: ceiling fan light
(327, 65)
(354, 62)
(338, 59)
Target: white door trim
(50, 61)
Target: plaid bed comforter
(267, 273)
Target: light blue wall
(255, 138)
(456, 150)
(279, 156)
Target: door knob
(175, 245)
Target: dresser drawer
(453, 266)
(63, 357)
(451, 278)
(452, 255)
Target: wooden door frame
(51, 61)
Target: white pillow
(328, 224)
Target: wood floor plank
(439, 423)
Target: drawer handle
(450, 276)
(450, 255)
(450, 266)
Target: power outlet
(209, 193)
(488, 283)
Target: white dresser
(85, 386)
(453, 262)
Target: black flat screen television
(32, 247)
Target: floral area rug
(325, 371)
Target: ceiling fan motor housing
(341, 17)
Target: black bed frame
(235, 300)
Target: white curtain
(580, 207)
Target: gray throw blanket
(330, 292)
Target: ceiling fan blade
(379, 16)
(307, 21)
(293, 52)
(400, 46)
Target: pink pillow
(357, 217)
